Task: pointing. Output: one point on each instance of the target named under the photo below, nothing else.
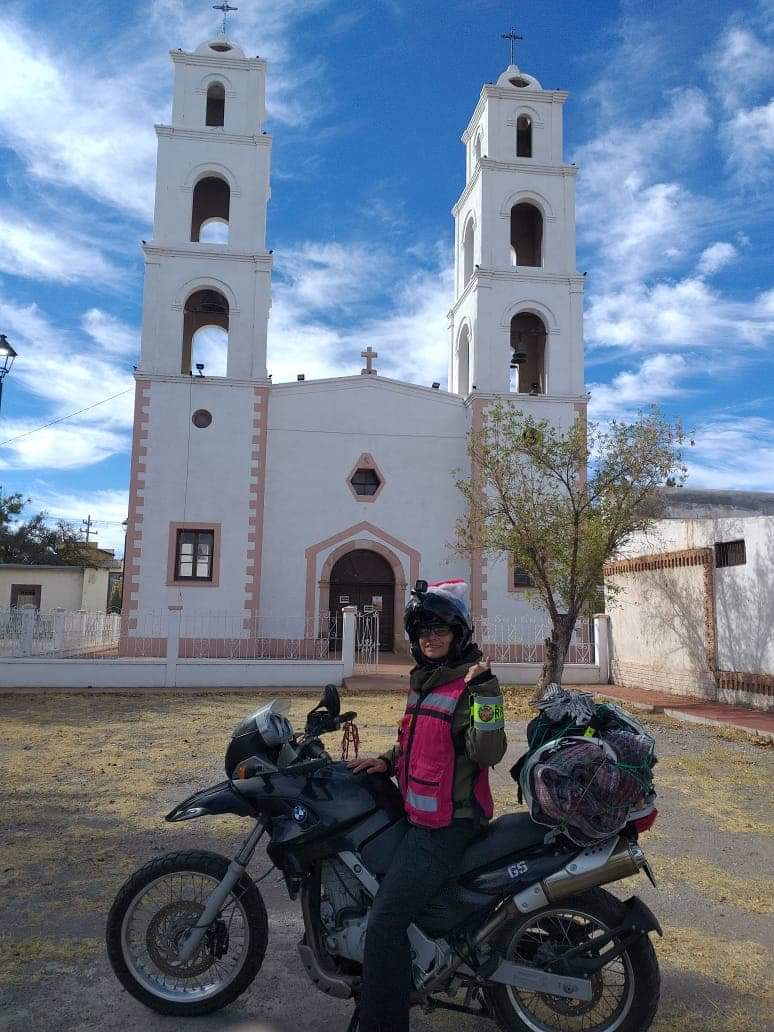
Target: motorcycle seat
(506, 835)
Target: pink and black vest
(427, 760)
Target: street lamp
(7, 355)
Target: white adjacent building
(276, 501)
(700, 585)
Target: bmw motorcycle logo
(299, 814)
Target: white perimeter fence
(189, 649)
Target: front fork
(192, 939)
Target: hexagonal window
(365, 480)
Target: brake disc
(165, 934)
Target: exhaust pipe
(580, 875)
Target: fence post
(29, 616)
(59, 631)
(348, 640)
(602, 646)
(173, 643)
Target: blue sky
(670, 120)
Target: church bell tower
(516, 325)
(202, 394)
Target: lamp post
(7, 355)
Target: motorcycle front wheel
(625, 992)
(151, 914)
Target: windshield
(264, 718)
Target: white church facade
(276, 501)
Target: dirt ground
(86, 779)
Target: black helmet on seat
(446, 603)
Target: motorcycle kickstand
(354, 1024)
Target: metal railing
(367, 638)
(57, 633)
(523, 640)
(240, 636)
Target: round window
(201, 418)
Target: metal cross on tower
(225, 7)
(513, 37)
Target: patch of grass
(517, 705)
(755, 895)
(24, 961)
(718, 782)
(743, 965)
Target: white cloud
(88, 124)
(740, 65)
(76, 126)
(655, 380)
(45, 253)
(687, 313)
(715, 257)
(409, 333)
(749, 137)
(636, 221)
(110, 334)
(70, 373)
(737, 454)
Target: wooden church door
(363, 578)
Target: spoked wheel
(150, 917)
(625, 992)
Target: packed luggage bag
(588, 769)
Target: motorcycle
(525, 933)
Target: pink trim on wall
(256, 502)
(352, 542)
(365, 462)
(185, 582)
(138, 468)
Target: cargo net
(589, 767)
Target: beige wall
(658, 631)
(67, 587)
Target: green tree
(564, 503)
(116, 600)
(35, 542)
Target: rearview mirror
(331, 700)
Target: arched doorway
(365, 578)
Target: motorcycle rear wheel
(154, 909)
(626, 991)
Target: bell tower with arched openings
(207, 264)
(196, 494)
(516, 325)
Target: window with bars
(194, 555)
(365, 482)
(730, 553)
(521, 579)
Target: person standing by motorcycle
(453, 730)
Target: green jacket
(474, 748)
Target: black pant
(424, 861)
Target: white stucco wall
(744, 595)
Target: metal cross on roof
(225, 7)
(369, 355)
(513, 37)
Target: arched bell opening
(210, 210)
(528, 348)
(215, 114)
(523, 136)
(463, 362)
(468, 241)
(205, 309)
(526, 235)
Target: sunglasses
(434, 630)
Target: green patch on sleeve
(487, 714)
